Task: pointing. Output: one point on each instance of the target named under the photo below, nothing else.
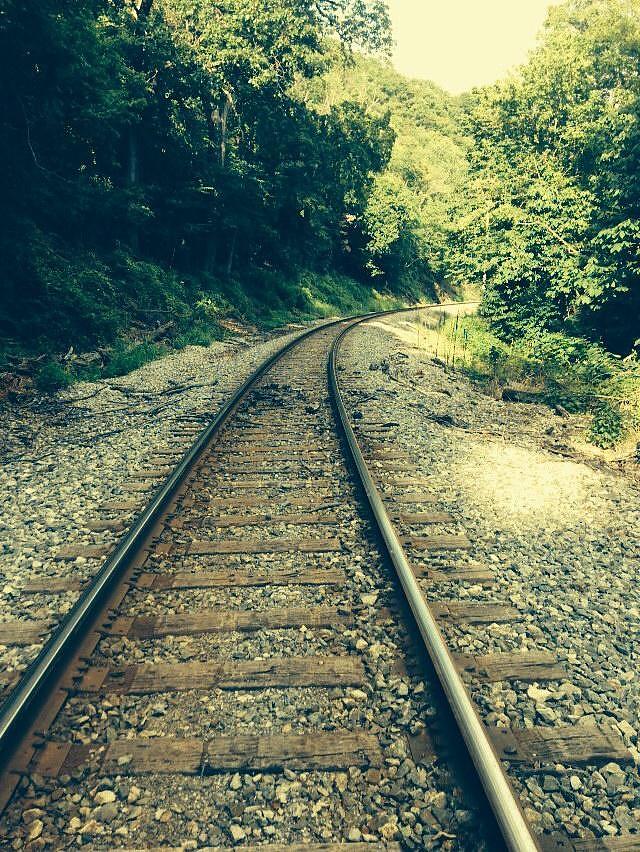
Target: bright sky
(464, 43)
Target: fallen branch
(94, 438)
(413, 387)
(88, 396)
(167, 391)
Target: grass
(124, 358)
(561, 370)
(128, 357)
(52, 377)
(328, 295)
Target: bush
(198, 334)
(607, 427)
(127, 357)
(564, 370)
(52, 377)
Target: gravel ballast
(390, 793)
(562, 538)
(64, 457)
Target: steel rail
(513, 826)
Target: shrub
(198, 334)
(127, 357)
(566, 370)
(52, 377)
(607, 426)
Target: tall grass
(563, 371)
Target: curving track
(248, 628)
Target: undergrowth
(563, 371)
(192, 311)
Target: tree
(555, 164)
(156, 149)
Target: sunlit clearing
(525, 488)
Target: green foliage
(198, 334)
(405, 224)
(157, 153)
(335, 295)
(126, 357)
(607, 427)
(52, 377)
(551, 219)
(556, 368)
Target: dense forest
(157, 157)
(166, 162)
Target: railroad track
(239, 672)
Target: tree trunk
(211, 252)
(232, 251)
(133, 160)
(223, 132)
(219, 120)
(143, 10)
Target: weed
(52, 377)
(127, 357)
(566, 371)
(607, 426)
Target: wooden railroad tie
(144, 485)
(273, 673)
(23, 632)
(409, 497)
(249, 453)
(436, 542)
(266, 467)
(284, 500)
(163, 459)
(573, 745)
(409, 481)
(422, 517)
(262, 435)
(119, 506)
(474, 613)
(387, 454)
(562, 843)
(220, 621)
(87, 551)
(224, 578)
(532, 666)
(288, 847)
(270, 484)
(151, 473)
(274, 545)
(106, 525)
(297, 519)
(320, 750)
(462, 573)
(52, 585)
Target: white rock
(36, 830)
(538, 694)
(103, 797)
(237, 832)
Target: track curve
(32, 708)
